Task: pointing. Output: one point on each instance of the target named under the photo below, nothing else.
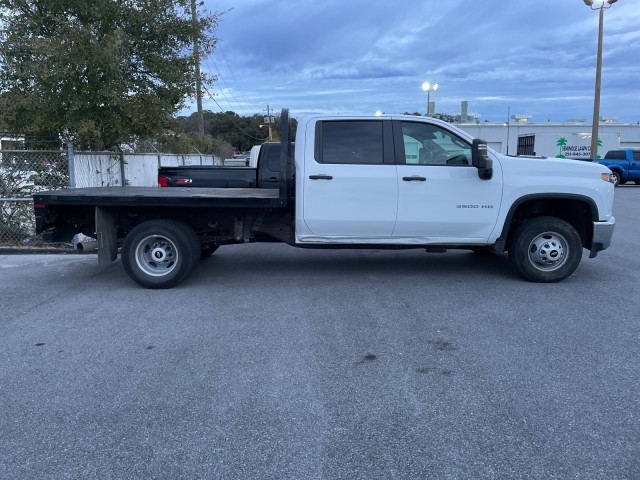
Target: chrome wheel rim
(548, 251)
(156, 255)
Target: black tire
(615, 178)
(546, 250)
(160, 253)
(207, 250)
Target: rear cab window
(354, 142)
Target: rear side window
(351, 142)
(636, 155)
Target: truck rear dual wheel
(160, 253)
(546, 250)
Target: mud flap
(106, 237)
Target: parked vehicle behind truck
(266, 174)
(624, 165)
(356, 181)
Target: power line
(233, 74)
(223, 79)
(220, 77)
(234, 122)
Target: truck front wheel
(160, 253)
(546, 250)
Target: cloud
(365, 55)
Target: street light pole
(596, 97)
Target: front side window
(351, 142)
(426, 144)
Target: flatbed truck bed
(233, 198)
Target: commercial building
(518, 138)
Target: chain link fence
(23, 173)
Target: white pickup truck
(381, 182)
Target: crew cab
(357, 181)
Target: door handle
(320, 177)
(414, 178)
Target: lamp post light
(597, 5)
(427, 87)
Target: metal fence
(105, 169)
(23, 173)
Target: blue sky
(536, 57)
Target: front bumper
(602, 233)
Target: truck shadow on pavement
(353, 263)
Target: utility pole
(267, 120)
(196, 60)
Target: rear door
(350, 183)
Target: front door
(441, 198)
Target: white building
(517, 138)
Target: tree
(241, 132)
(229, 127)
(101, 71)
(444, 117)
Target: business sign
(567, 150)
(574, 145)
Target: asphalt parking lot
(272, 362)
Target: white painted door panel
(451, 203)
(359, 200)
